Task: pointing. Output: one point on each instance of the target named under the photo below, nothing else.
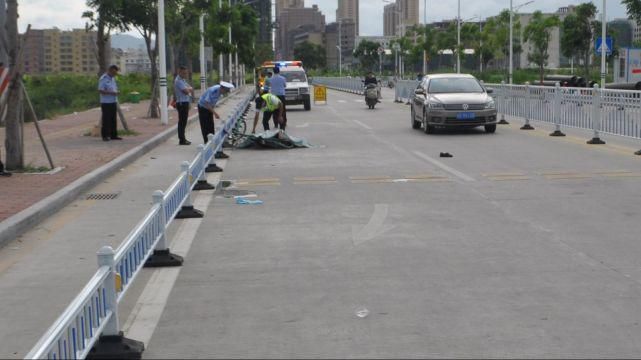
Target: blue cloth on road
(107, 83)
(210, 97)
(179, 85)
(278, 85)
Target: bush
(53, 95)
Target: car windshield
(295, 76)
(454, 85)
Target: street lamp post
(458, 35)
(221, 57)
(203, 65)
(425, 29)
(162, 81)
(512, 9)
(603, 46)
(340, 48)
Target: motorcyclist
(371, 79)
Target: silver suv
(452, 100)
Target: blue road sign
(599, 45)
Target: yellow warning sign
(320, 94)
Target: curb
(18, 224)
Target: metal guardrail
(94, 311)
(351, 85)
(615, 112)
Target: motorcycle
(371, 95)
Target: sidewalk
(43, 270)
(74, 151)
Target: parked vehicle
(452, 101)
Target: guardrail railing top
(93, 314)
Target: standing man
(108, 89)
(206, 112)
(183, 94)
(278, 84)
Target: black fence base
(527, 127)
(503, 122)
(213, 168)
(638, 152)
(557, 133)
(188, 212)
(227, 145)
(163, 258)
(116, 347)
(596, 141)
(203, 185)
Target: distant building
(288, 4)
(264, 10)
(136, 61)
(400, 16)
(291, 19)
(348, 9)
(556, 58)
(384, 41)
(55, 51)
(624, 30)
(636, 32)
(347, 30)
(390, 19)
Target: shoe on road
(185, 142)
(106, 139)
(116, 138)
(221, 155)
(5, 174)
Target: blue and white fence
(94, 311)
(616, 112)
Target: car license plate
(466, 116)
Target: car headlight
(304, 90)
(435, 105)
(490, 105)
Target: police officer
(278, 85)
(206, 112)
(270, 105)
(108, 89)
(182, 93)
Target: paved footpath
(43, 270)
(72, 149)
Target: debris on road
(274, 139)
(244, 201)
(446, 155)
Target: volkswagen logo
(466, 106)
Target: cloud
(42, 14)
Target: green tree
(497, 35)
(244, 23)
(578, 34)
(312, 55)
(183, 34)
(367, 55)
(634, 9)
(537, 35)
(262, 53)
(143, 16)
(105, 16)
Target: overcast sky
(66, 14)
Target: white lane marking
(362, 124)
(359, 100)
(302, 125)
(450, 170)
(341, 101)
(144, 318)
(374, 227)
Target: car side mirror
(419, 91)
(489, 90)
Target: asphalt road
(521, 245)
